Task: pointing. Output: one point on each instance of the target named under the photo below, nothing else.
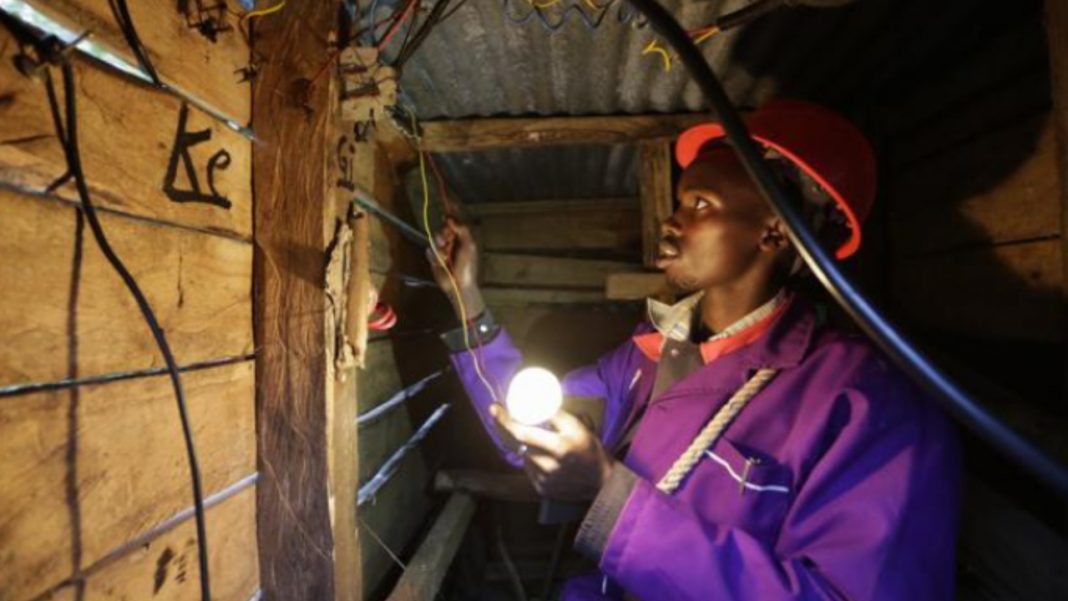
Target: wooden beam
(422, 578)
(503, 269)
(636, 286)
(595, 227)
(656, 193)
(509, 486)
(527, 207)
(485, 134)
(306, 504)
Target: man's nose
(670, 227)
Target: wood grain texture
(126, 135)
(613, 229)
(504, 269)
(89, 468)
(306, 516)
(1011, 291)
(483, 134)
(184, 59)
(1001, 187)
(166, 569)
(422, 578)
(656, 192)
(56, 303)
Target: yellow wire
(536, 4)
(444, 265)
(704, 36)
(654, 47)
(263, 11)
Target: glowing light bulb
(534, 396)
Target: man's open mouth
(667, 249)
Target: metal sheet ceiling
(480, 63)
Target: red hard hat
(821, 143)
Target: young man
(748, 450)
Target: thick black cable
(879, 329)
(69, 137)
(122, 17)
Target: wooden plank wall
(973, 197)
(96, 493)
(975, 218)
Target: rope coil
(713, 429)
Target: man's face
(715, 236)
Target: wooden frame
(307, 442)
(466, 135)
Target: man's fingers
(537, 438)
(532, 436)
(567, 424)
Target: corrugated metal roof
(480, 63)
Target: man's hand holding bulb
(561, 456)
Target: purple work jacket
(850, 483)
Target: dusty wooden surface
(656, 192)
(88, 468)
(483, 134)
(183, 58)
(57, 301)
(304, 553)
(426, 570)
(127, 134)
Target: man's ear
(774, 237)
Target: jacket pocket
(734, 485)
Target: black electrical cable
(69, 138)
(748, 13)
(882, 332)
(433, 19)
(122, 17)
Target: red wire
(396, 24)
(441, 183)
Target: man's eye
(701, 203)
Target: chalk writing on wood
(183, 141)
(346, 155)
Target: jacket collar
(787, 341)
(674, 322)
(783, 344)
